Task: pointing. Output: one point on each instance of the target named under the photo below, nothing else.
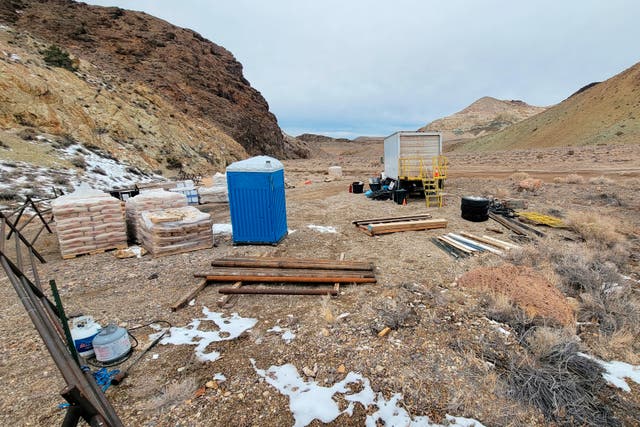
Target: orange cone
(404, 202)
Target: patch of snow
(616, 372)
(322, 228)
(291, 231)
(219, 377)
(287, 334)
(192, 302)
(222, 229)
(228, 328)
(155, 356)
(309, 401)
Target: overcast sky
(358, 67)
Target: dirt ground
(429, 357)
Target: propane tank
(111, 344)
(83, 330)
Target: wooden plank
(228, 298)
(297, 264)
(501, 242)
(282, 272)
(286, 279)
(390, 219)
(336, 286)
(189, 296)
(278, 291)
(513, 227)
(426, 224)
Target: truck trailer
(415, 161)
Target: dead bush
(502, 309)
(601, 180)
(79, 162)
(540, 340)
(592, 227)
(564, 386)
(614, 307)
(573, 178)
(519, 176)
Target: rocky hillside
(314, 138)
(603, 113)
(137, 89)
(485, 116)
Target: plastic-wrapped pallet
(88, 221)
(149, 201)
(172, 231)
(217, 193)
(187, 188)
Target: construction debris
(396, 224)
(149, 201)
(177, 230)
(88, 221)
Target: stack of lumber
(287, 270)
(88, 221)
(149, 201)
(464, 244)
(176, 230)
(217, 193)
(395, 224)
(517, 227)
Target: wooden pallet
(94, 252)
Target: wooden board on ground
(94, 252)
(419, 225)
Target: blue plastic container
(257, 201)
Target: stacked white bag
(87, 221)
(176, 230)
(149, 201)
(217, 193)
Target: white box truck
(409, 156)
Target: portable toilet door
(257, 200)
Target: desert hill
(143, 91)
(485, 116)
(603, 113)
(314, 138)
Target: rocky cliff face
(200, 82)
(485, 116)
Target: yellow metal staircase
(414, 169)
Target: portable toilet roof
(256, 164)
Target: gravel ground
(427, 357)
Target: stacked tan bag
(177, 230)
(88, 221)
(150, 201)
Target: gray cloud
(372, 67)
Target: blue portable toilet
(256, 200)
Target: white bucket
(83, 330)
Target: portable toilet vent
(257, 201)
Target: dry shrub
(171, 394)
(614, 307)
(541, 340)
(564, 386)
(519, 176)
(501, 308)
(573, 178)
(601, 180)
(502, 193)
(595, 228)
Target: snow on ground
(287, 334)
(221, 229)
(322, 228)
(219, 377)
(103, 172)
(309, 401)
(228, 328)
(616, 372)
